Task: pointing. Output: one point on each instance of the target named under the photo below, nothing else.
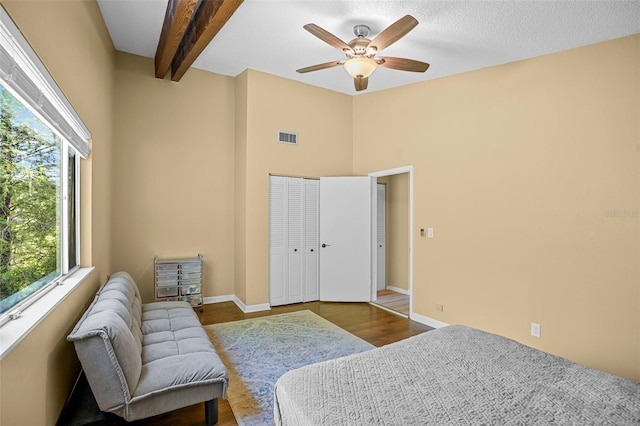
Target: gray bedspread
(454, 376)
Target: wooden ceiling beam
(176, 22)
(206, 23)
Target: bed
(454, 375)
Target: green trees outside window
(30, 200)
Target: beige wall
(516, 167)
(322, 120)
(398, 231)
(173, 174)
(240, 160)
(72, 41)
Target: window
(42, 140)
(38, 226)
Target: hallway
(393, 300)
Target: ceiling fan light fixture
(360, 67)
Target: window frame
(64, 207)
(26, 78)
(63, 210)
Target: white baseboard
(251, 308)
(239, 303)
(427, 321)
(218, 299)
(398, 290)
(384, 308)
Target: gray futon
(146, 359)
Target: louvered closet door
(295, 230)
(277, 240)
(293, 240)
(311, 240)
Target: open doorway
(392, 260)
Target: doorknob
(326, 245)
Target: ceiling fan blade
(393, 32)
(320, 66)
(361, 83)
(327, 37)
(402, 64)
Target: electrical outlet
(439, 308)
(535, 329)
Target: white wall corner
(251, 308)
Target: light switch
(429, 232)
(422, 233)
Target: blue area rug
(258, 351)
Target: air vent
(289, 138)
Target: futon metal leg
(211, 411)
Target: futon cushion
(115, 317)
(142, 360)
(171, 329)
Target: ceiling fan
(361, 52)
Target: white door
(295, 247)
(382, 237)
(293, 240)
(345, 239)
(311, 241)
(277, 240)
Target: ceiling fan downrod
(361, 30)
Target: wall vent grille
(289, 138)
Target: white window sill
(15, 330)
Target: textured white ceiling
(453, 36)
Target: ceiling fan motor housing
(359, 45)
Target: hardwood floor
(393, 300)
(366, 321)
